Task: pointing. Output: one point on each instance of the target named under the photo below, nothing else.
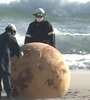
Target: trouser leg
(0, 88)
(0, 84)
(7, 84)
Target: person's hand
(21, 54)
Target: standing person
(8, 48)
(40, 30)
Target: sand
(79, 87)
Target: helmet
(11, 27)
(39, 12)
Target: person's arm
(51, 38)
(51, 35)
(28, 37)
(14, 46)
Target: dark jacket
(8, 48)
(38, 32)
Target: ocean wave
(73, 44)
(78, 61)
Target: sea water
(71, 23)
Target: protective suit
(40, 30)
(8, 48)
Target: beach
(71, 24)
(79, 87)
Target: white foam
(78, 61)
(20, 39)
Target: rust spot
(50, 83)
(24, 78)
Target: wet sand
(79, 87)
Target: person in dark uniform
(40, 30)
(8, 48)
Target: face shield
(39, 17)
